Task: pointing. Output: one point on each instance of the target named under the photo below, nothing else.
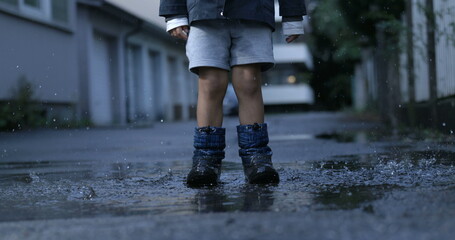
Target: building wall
(169, 88)
(445, 51)
(101, 67)
(84, 69)
(422, 84)
(148, 76)
(424, 111)
(45, 55)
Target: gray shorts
(226, 43)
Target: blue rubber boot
(209, 144)
(256, 155)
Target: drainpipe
(126, 37)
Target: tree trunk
(431, 51)
(410, 60)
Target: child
(222, 36)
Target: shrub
(22, 111)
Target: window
(54, 11)
(33, 3)
(60, 10)
(10, 2)
(33, 8)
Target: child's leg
(252, 132)
(247, 82)
(209, 137)
(213, 84)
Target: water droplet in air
(443, 124)
(161, 120)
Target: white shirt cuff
(175, 23)
(293, 28)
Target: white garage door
(100, 86)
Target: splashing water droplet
(444, 124)
(161, 120)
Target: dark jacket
(257, 10)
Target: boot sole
(202, 181)
(265, 178)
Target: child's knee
(247, 80)
(213, 83)
(212, 88)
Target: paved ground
(343, 177)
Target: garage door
(100, 86)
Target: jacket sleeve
(170, 8)
(292, 8)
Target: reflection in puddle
(291, 137)
(248, 199)
(338, 137)
(352, 136)
(351, 197)
(58, 189)
(342, 137)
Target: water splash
(54, 189)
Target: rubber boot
(256, 155)
(209, 144)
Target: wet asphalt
(342, 177)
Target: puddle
(351, 197)
(72, 189)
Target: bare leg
(212, 89)
(247, 82)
